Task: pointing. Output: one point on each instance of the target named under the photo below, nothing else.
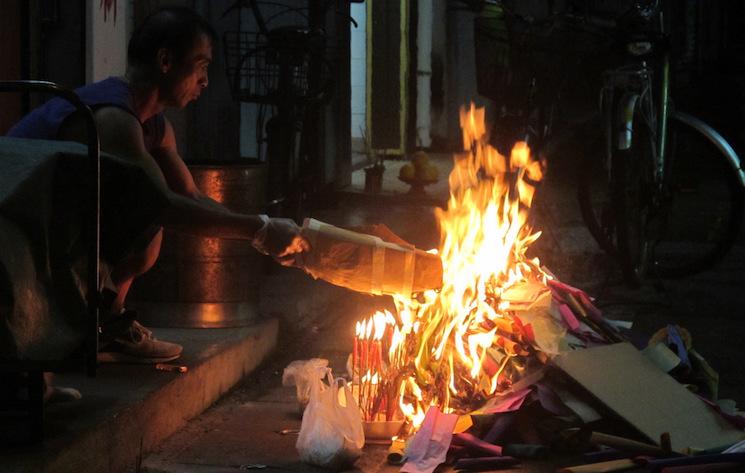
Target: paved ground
(318, 319)
(128, 409)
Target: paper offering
(367, 263)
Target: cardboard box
(633, 387)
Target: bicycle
(640, 191)
(280, 60)
(527, 65)
(649, 201)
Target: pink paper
(558, 296)
(569, 318)
(564, 287)
(430, 445)
(559, 289)
(477, 445)
(590, 307)
(736, 420)
(508, 403)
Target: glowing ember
(457, 347)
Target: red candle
(355, 355)
(380, 356)
(366, 362)
(371, 362)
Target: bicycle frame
(625, 124)
(636, 84)
(663, 114)
(650, 176)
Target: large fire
(459, 346)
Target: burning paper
(430, 445)
(367, 263)
(459, 346)
(497, 319)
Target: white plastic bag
(300, 373)
(331, 434)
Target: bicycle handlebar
(639, 17)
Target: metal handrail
(94, 212)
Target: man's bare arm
(120, 134)
(176, 173)
(278, 238)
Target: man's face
(186, 79)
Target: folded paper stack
(367, 263)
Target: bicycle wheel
(702, 207)
(632, 187)
(614, 195)
(594, 186)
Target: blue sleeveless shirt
(44, 122)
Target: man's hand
(280, 238)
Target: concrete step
(128, 410)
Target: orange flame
(448, 338)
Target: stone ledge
(127, 410)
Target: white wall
(359, 63)
(107, 33)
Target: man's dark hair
(173, 28)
